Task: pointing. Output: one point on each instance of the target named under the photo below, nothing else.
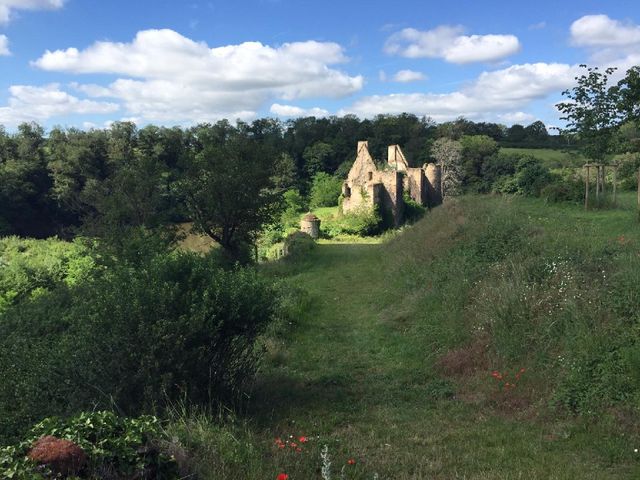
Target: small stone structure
(310, 224)
(367, 186)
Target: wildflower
(303, 439)
(282, 476)
(351, 461)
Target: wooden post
(639, 190)
(586, 189)
(615, 179)
(597, 182)
(604, 179)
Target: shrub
(325, 190)
(413, 211)
(294, 206)
(531, 176)
(176, 326)
(298, 243)
(362, 222)
(116, 447)
(628, 171)
(563, 190)
(30, 267)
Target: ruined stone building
(368, 186)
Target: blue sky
(86, 63)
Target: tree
(317, 157)
(284, 172)
(476, 149)
(629, 91)
(325, 190)
(537, 133)
(25, 183)
(227, 188)
(592, 112)
(448, 153)
(516, 133)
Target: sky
(86, 63)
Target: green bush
(116, 447)
(298, 244)
(30, 267)
(294, 206)
(531, 176)
(363, 222)
(325, 190)
(564, 190)
(173, 327)
(628, 171)
(413, 211)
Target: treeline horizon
(52, 183)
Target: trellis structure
(601, 176)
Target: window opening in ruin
(370, 176)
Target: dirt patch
(466, 360)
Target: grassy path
(357, 371)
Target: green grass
(369, 368)
(551, 158)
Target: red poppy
(351, 461)
(303, 439)
(282, 476)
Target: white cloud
(4, 46)
(449, 43)
(538, 26)
(293, 111)
(492, 94)
(602, 31)
(166, 76)
(28, 103)
(8, 6)
(522, 118)
(406, 76)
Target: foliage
(29, 268)
(318, 158)
(628, 171)
(448, 153)
(299, 244)
(591, 112)
(531, 176)
(564, 189)
(227, 188)
(629, 95)
(413, 211)
(116, 447)
(476, 149)
(361, 222)
(325, 190)
(294, 206)
(170, 327)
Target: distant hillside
(552, 158)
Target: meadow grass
(551, 158)
(390, 361)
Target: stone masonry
(367, 186)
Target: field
(551, 158)
(392, 362)
(497, 338)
